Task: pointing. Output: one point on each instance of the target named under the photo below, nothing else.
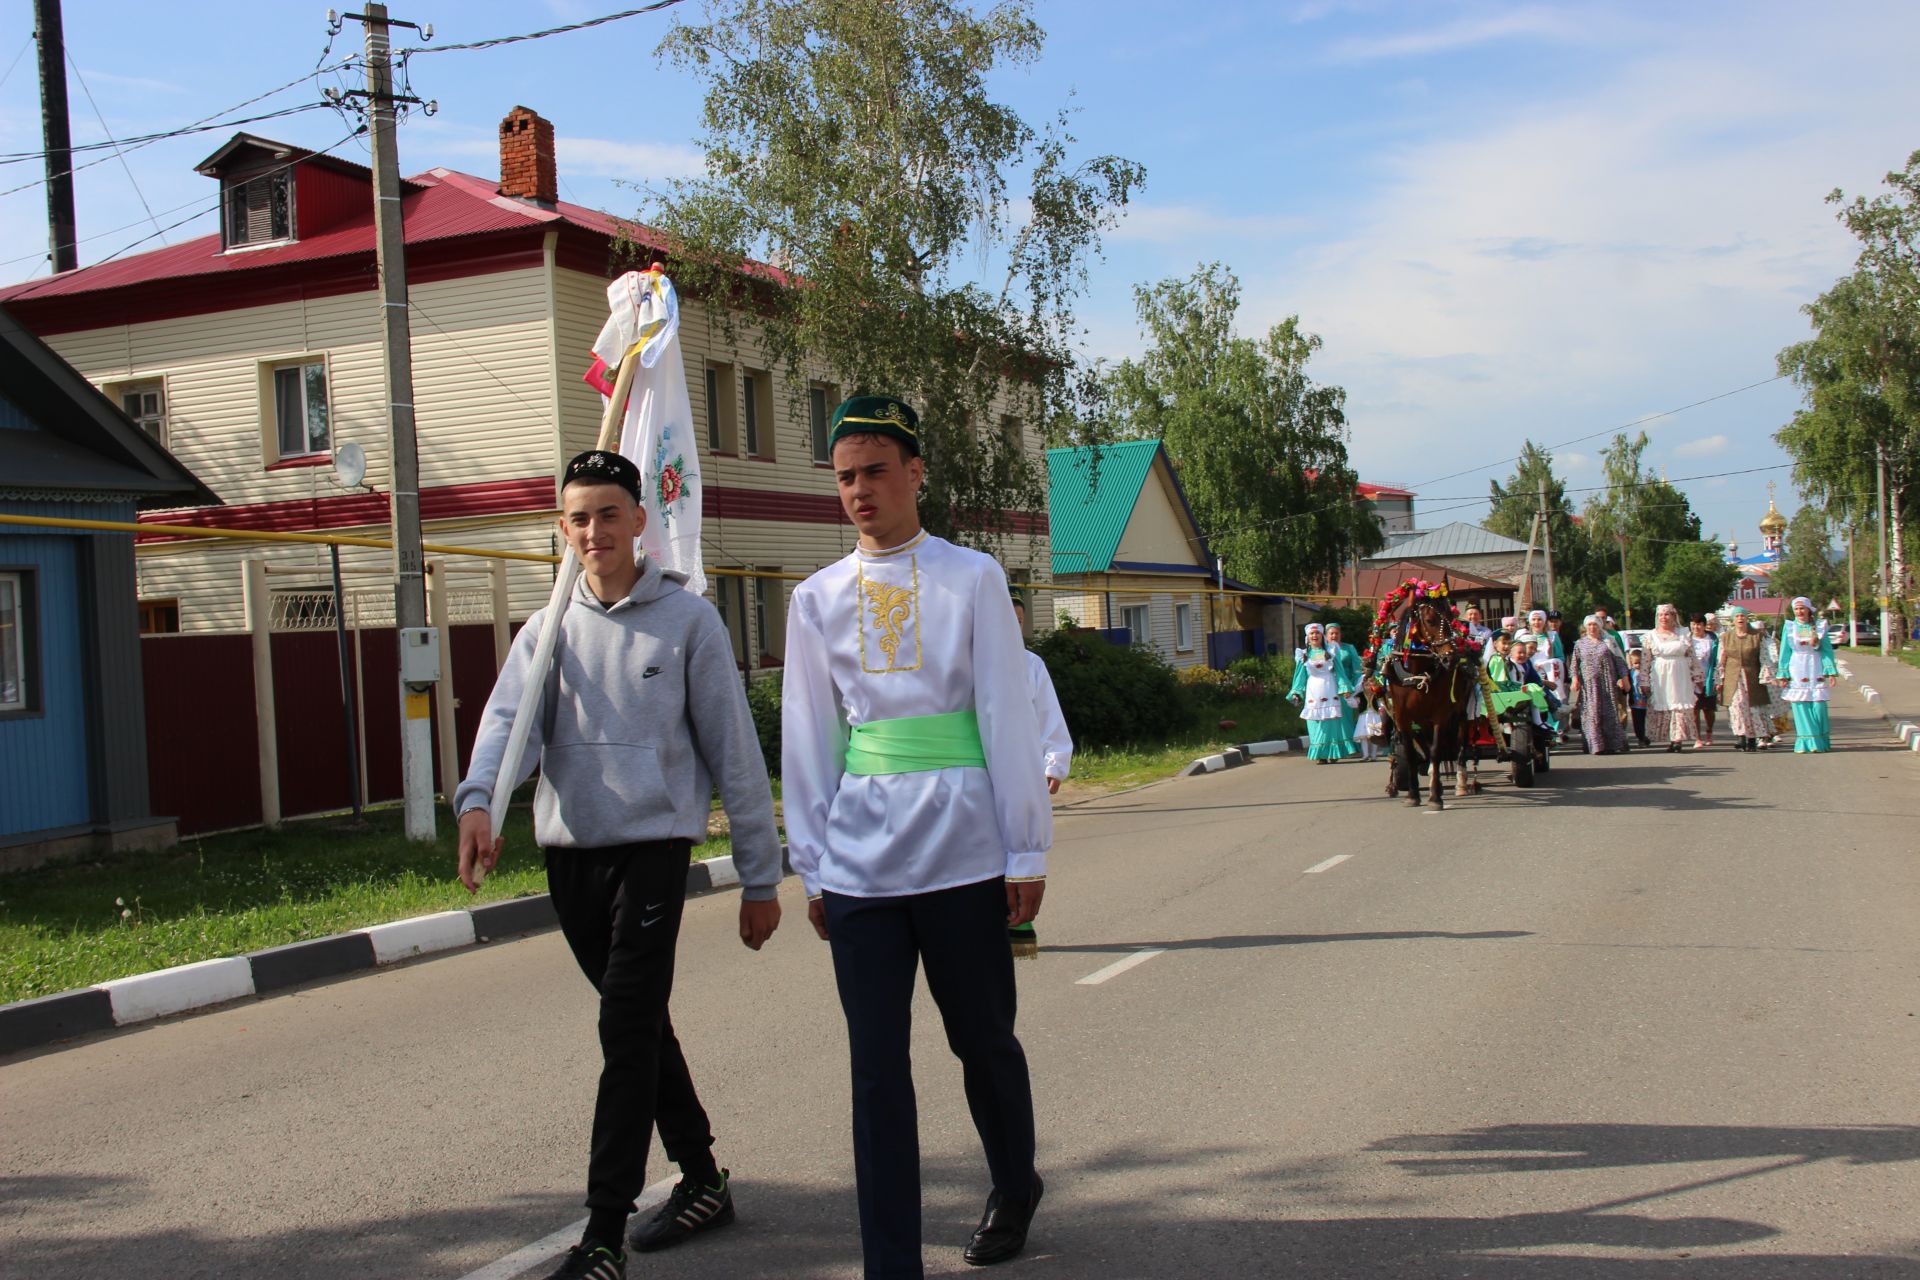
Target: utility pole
(419, 644)
(1853, 594)
(1546, 542)
(1885, 592)
(1526, 570)
(49, 35)
(1626, 598)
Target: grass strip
(76, 924)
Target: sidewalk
(1897, 684)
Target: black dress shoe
(1002, 1232)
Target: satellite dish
(350, 465)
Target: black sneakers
(690, 1210)
(595, 1262)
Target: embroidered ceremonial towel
(916, 744)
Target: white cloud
(1649, 234)
(1705, 447)
(635, 161)
(1193, 228)
(1532, 22)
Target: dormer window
(260, 210)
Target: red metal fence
(203, 742)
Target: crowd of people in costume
(1663, 687)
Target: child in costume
(1369, 728)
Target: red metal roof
(446, 205)
(1366, 490)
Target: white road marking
(1328, 865)
(546, 1249)
(1119, 967)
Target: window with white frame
(721, 436)
(819, 411)
(300, 413)
(769, 615)
(146, 404)
(1137, 619)
(1183, 626)
(729, 597)
(17, 647)
(259, 210)
(756, 407)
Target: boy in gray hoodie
(642, 716)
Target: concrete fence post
(260, 626)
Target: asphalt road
(1654, 1018)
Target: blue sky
(1506, 221)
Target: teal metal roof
(1088, 506)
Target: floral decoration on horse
(1410, 592)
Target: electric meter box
(419, 655)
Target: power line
(81, 77)
(28, 44)
(148, 139)
(200, 213)
(1652, 417)
(538, 35)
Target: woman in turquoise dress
(1806, 673)
(1318, 692)
(1348, 659)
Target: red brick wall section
(527, 170)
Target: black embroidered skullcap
(604, 466)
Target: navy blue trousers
(961, 936)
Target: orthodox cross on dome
(1772, 525)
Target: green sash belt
(914, 744)
(1506, 699)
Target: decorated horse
(1420, 655)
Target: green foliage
(1642, 520)
(1261, 448)
(1860, 373)
(856, 144)
(1355, 622)
(1273, 671)
(1112, 695)
(763, 699)
(1808, 566)
(1695, 578)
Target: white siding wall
(496, 358)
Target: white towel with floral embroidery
(657, 430)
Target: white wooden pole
(502, 628)
(557, 602)
(440, 618)
(259, 607)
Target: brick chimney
(527, 170)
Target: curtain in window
(289, 413)
(12, 646)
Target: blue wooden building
(73, 739)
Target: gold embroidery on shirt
(893, 612)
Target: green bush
(1273, 671)
(1112, 695)
(763, 699)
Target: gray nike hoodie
(642, 716)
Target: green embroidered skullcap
(876, 415)
(1019, 596)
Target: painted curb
(146, 996)
(515, 915)
(297, 962)
(420, 936)
(71, 1013)
(1274, 746)
(28, 1024)
(1231, 758)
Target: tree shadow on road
(1130, 1212)
(1238, 941)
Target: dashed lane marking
(1328, 865)
(546, 1249)
(1119, 967)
